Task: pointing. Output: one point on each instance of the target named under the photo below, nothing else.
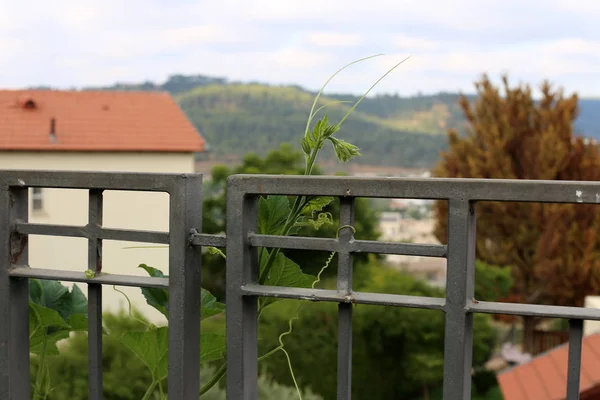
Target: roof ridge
(78, 91)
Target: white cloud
(268, 10)
(573, 46)
(333, 39)
(297, 58)
(406, 42)
(79, 42)
(584, 8)
(203, 34)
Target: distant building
(591, 327)
(395, 228)
(390, 225)
(97, 131)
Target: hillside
(236, 118)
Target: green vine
(276, 217)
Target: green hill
(236, 118)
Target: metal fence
(459, 304)
(185, 209)
(184, 240)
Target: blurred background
(492, 89)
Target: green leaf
(56, 296)
(36, 342)
(284, 272)
(273, 212)
(35, 291)
(78, 322)
(45, 324)
(319, 128)
(306, 145)
(316, 204)
(209, 305)
(153, 272)
(344, 150)
(152, 348)
(212, 347)
(78, 301)
(156, 297)
(159, 298)
(44, 317)
(330, 130)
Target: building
(395, 228)
(591, 327)
(97, 131)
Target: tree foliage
(551, 248)
(397, 351)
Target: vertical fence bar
(574, 366)
(14, 298)
(344, 285)
(185, 205)
(4, 291)
(242, 312)
(95, 296)
(458, 335)
(20, 380)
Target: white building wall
(127, 210)
(591, 327)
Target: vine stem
(150, 390)
(160, 389)
(130, 308)
(292, 372)
(215, 378)
(38, 380)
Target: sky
(74, 43)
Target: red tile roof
(545, 376)
(95, 121)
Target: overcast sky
(68, 43)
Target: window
(37, 199)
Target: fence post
(344, 286)
(242, 268)
(95, 209)
(458, 330)
(4, 292)
(184, 288)
(14, 298)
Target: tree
(287, 161)
(551, 248)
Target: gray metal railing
(459, 304)
(185, 213)
(184, 240)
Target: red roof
(545, 376)
(94, 121)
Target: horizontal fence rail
(459, 304)
(185, 239)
